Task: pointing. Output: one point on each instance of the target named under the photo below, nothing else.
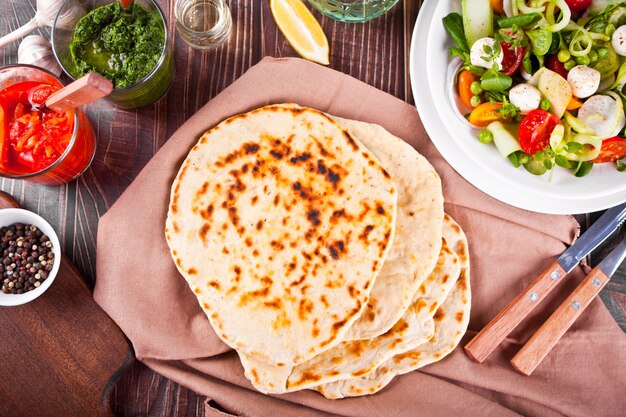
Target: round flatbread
(354, 358)
(417, 239)
(280, 222)
(451, 320)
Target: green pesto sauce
(124, 47)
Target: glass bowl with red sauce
(39, 144)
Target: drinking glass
(82, 146)
(203, 24)
(353, 11)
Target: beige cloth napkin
(140, 288)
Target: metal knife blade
(610, 264)
(593, 237)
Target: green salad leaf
(521, 21)
(453, 23)
(541, 40)
(493, 80)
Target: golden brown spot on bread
(254, 200)
(276, 303)
(356, 347)
(250, 148)
(225, 251)
(197, 291)
(206, 307)
(176, 228)
(360, 372)
(248, 242)
(305, 307)
(380, 209)
(420, 304)
(462, 281)
(366, 231)
(439, 315)
(324, 301)
(350, 141)
(192, 271)
(445, 278)
(259, 225)
(313, 215)
(298, 282)
(277, 245)
(459, 316)
(255, 253)
(334, 372)
(203, 231)
(316, 330)
(255, 375)
(305, 377)
(408, 355)
(267, 281)
(214, 284)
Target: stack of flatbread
(319, 250)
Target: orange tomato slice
(485, 114)
(466, 78)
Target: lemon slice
(301, 29)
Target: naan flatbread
(280, 221)
(417, 240)
(359, 357)
(451, 320)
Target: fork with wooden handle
(542, 342)
(498, 328)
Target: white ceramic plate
(431, 71)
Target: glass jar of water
(353, 11)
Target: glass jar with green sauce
(132, 48)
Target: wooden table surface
(376, 52)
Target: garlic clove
(36, 50)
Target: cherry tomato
(485, 114)
(553, 64)
(613, 149)
(466, 78)
(578, 5)
(512, 59)
(498, 7)
(534, 131)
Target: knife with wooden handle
(500, 326)
(542, 342)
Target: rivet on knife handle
(497, 330)
(542, 342)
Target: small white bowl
(15, 215)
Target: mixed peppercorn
(27, 258)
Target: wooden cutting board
(61, 353)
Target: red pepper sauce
(31, 139)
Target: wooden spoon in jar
(82, 91)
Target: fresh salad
(544, 80)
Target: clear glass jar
(353, 11)
(81, 148)
(203, 24)
(146, 91)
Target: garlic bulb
(46, 13)
(36, 50)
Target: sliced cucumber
(504, 140)
(477, 19)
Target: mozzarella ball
(480, 58)
(584, 80)
(525, 96)
(618, 40)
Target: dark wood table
(376, 52)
